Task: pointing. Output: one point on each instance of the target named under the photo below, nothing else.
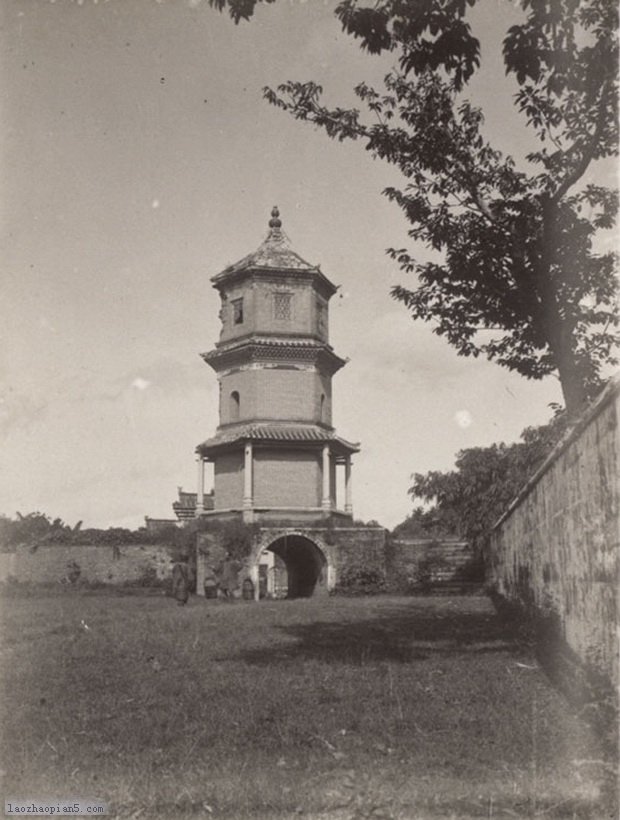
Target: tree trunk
(573, 389)
(561, 344)
(559, 328)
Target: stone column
(255, 580)
(200, 491)
(331, 578)
(248, 496)
(348, 488)
(200, 574)
(326, 501)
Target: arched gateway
(291, 564)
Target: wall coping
(44, 545)
(457, 542)
(606, 396)
(321, 529)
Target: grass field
(334, 708)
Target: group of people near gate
(224, 579)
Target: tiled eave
(301, 434)
(234, 275)
(306, 351)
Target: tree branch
(587, 154)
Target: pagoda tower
(275, 451)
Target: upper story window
(234, 406)
(282, 306)
(237, 311)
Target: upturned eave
(275, 349)
(275, 433)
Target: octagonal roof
(273, 254)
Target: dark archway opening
(304, 567)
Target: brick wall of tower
(287, 478)
(286, 394)
(308, 309)
(280, 393)
(242, 382)
(228, 481)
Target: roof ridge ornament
(273, 254)
(275, 223)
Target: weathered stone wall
(420, 565)
(554, 554)
(106, 564)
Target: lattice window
(282, 306)
(237, 311)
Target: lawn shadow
(399, 633)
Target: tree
(427, 523)
(517, 275)
(31, 528)
(468, 500)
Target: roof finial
(275, 223)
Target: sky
(138, 159)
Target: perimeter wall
(104, 564)
(554, 553)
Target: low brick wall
(427, 565)
(358, 548)
(106, 564)
(554, 554)
(353, 553)
(7, 565)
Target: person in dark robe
(229, 577)
(180, 583)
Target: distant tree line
(466, 502)
(40, 529)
